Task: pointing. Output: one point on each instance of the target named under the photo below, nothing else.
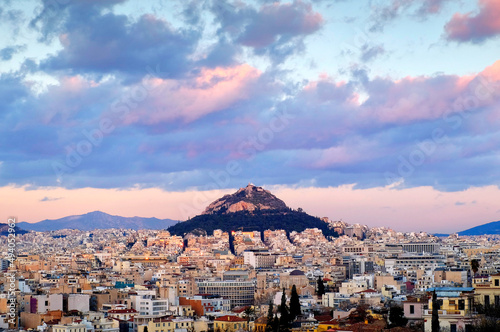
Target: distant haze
(415, 209)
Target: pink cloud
(347, 153)
(475, 28)
(64, 101)
(425, 98)
(327, 89)
(211, 91)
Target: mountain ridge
(490, 228)
(97, 220)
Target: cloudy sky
(375, 112)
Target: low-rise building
(230, 323)
(455, 311)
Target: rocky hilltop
(251, 209)
(250, 198)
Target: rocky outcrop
(250, 198)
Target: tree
(397, 316)
(294, 304)
(284, 314)
(474, 265)
(276, 323)
(270, 315)
(358, 315)
(435, 312)
(321, 287)
(249, 313)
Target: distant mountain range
(97, 220)
(489, 228)
(250, 209)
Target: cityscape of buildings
(151, 281)
(382, 113)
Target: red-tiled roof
(228, 318)
(368, 291)
(239, 310)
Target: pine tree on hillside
(270, 315)
(321, 287)
(435, 313)
(294, 304)
(284, 314)
(276, 323)
(474, 264)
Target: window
(497, 282)
(453, 327)
(486, 300)
(412, 309)
(461, 304)
(497, 300)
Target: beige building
(456, 310)
(488, 290)
(296, 277)
(230, 323)
(69, 328)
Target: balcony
(457, 313)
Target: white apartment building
(259, 258)
(148, 304)
(406, 262)
(80, 302)
(353, 286)
(40, 304)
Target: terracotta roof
(228, 318)
(239, 310)
(368, 291)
